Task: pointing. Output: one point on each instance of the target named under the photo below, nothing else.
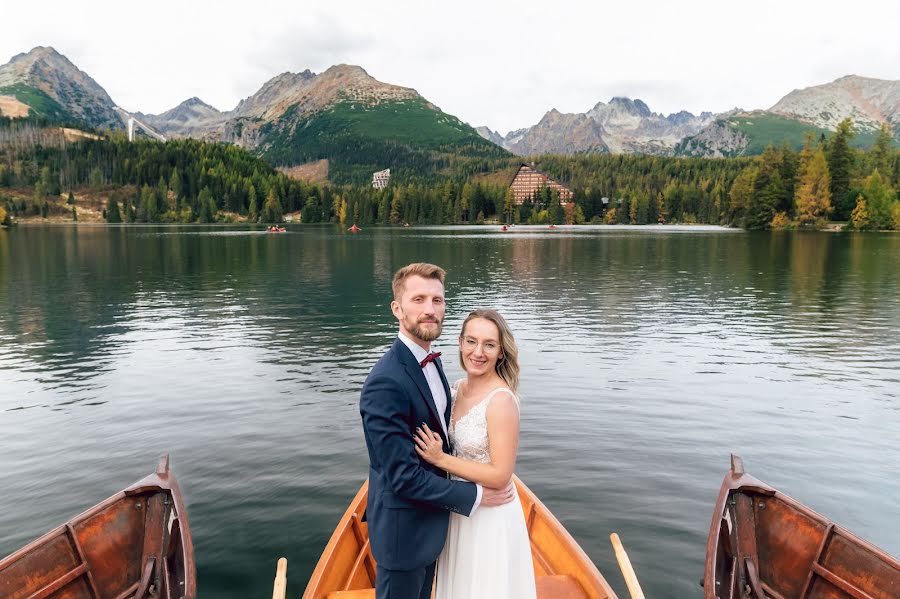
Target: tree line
(192, 181)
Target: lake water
(648, 354)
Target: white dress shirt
(436, 386)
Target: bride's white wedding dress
(487, 555)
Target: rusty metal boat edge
(89, 554)
(765, 544)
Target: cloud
(502, 63)
(314, 43)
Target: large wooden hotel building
(528, 181)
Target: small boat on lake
(276, 229)
(346, 569)
(136, 545)
(764, 545)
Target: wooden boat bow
(135, 544)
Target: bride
(488, 554)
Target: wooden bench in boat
(562, 570)
(548, 587)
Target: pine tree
(790, 163)
(71, 199)
(556, 215)
(465, 200)
(147, 211)
(396, 206)
(769, 193)
(741, 194)
(253, 210)
(881, 154)
(509, 205)
(112, 211)
(96, 177)
(661, 211)
(840, 166)
(206, 206)
(813, 196)
(162, 196)
(272, 211)
(175, 187)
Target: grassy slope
(763, 130)
(40, 103)
(408, 136)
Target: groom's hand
(493, 497)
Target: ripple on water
(648, 356)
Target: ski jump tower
(132, 122)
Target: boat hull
(767, 544)
(135, 542)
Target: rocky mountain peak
(41, 60)
(194, 102)
(869, 102)
(681, 117)
(41, 53)
(622, 125)
(46, 70)
(629, 106)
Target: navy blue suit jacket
(410, 500)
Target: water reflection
(649, 354)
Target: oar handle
(280, 579)
(634, 587)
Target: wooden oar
(634, 587)
(280, 579)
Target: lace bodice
(469, 435)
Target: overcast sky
(500, 64)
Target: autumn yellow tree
(812, 199)
(895, 216)
(859, 218)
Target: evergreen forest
(42, 172)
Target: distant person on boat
(489, 554)
(410, 500)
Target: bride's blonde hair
(508, 363)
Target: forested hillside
(43, 171)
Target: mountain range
(360, 124)
(629, 126)
(343, 115)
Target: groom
(409, 499)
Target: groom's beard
(427, 334)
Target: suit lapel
(448, 408)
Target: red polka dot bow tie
(430, 358)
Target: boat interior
(559, 564)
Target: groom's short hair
(422, 269)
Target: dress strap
(490, 395)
